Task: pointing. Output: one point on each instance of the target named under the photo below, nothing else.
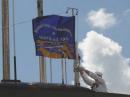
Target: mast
(14, 44)
(74, 12)
(41, 59)
(5, 40)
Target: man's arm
(91, 74)
(87, 80)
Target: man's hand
(79, 68)
(83, 69)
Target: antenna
(74, 11)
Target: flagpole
(5, 40)
(41, 58)
(74, 12)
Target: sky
(102, 32)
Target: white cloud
(101, 19)
(100, 53)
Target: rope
(62, 68)
(65, 71)
(23, 22)
(45, 70)
(18, 23)
(50, 70)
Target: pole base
(77, 84)
(10, 81)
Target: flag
(54, 36)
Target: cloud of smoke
(100, 53)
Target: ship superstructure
(16, 88)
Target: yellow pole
(41, 59)
(5, 40)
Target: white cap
(99, 73)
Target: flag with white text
(54, 36)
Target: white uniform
(99, 86)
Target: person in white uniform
(97, 84)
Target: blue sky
(26, 10)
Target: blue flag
(54, 36)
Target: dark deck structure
(49, 90)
